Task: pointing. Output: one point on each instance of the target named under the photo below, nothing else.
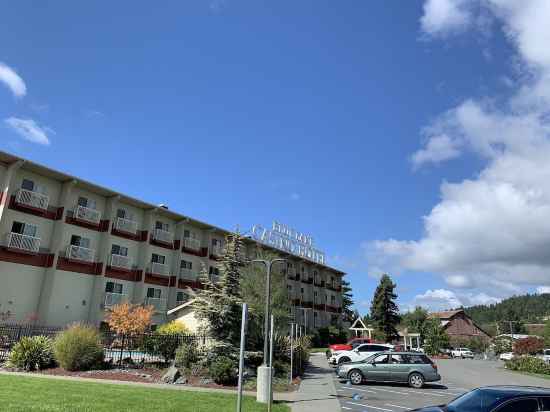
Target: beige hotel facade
(70, 250)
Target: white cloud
(491, 231)
(444, 16)
(28, 129)
(442, 299)
(12, 80)
(543, 289)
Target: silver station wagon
(410, 367)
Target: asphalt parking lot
(458, 376)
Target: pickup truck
(462, 353)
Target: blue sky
(239, 112)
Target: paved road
(458, 376)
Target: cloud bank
(29, 130)
(12, 81)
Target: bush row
(528, 364)
(77, 348)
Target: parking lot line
(397, 406)
(389, 390)
(370, 406)
(357, 389)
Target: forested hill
(526, 308)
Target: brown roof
(445, 314)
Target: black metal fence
(135, 350)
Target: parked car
(497, 399)
(507, 356)
(546, 355)
(360, 353)
(462, 353)
(351, 344)
(390, 366)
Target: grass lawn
(318, 350)
(39, 394)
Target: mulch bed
(144, 375)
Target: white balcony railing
(163, 236)
(126, 225)
(159, 304)
(32, 199)
(190, 243)
(120, 261)
(23, 242)
(187, 274)
(80, 253)
(217, 250)
(159, 268)
(112, 299)
(87, 214)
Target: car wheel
(355, 377)
(343, 359)
(416, 380)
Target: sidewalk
(317, 392)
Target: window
(186, 264)
(181, 297)
(162, 226)
(153, 293)
(124, 214)
(80, 241)
(379, 348)
(332, 299)
(381, 359)
(112, 287)
(216, 242)
(24, 229)
(158, 258)
(119, 250)
(27, 185)
(366, 348)
(523, 405)
(315, 297)
(89, 203)
(315, 316)
(188, 234)
(213, 270)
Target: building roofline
(8, 158)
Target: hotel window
(112, 287)
(315, 297)
(212, 270)
(186, 264)
(119, 250)
(332, 300)
(31, 186)
(181, 297)
(80, 241)
(124, 214)
(315, 316)
(25, 229)
(162, 226)
(154, 293)
(85, 202)
(188, 234)
(158, 258)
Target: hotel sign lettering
(289, 240)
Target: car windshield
(479, 400)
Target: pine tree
(218, 305)
(384, 311)
(348, 313)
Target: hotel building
(71, 249)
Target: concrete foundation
(262, 385)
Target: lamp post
(264, 371)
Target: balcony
(121, 262)
(163, 236)
(32, 199)
(217, 251)
(187, 274)
(80, 253)
(159, 304)
(112, 299)
(192, 244)
(23, 242)
(88, 215)
(158, 268)
(126, 226)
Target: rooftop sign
(289, 240)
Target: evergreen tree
(384, 311)
(348, 313)
(218, 305)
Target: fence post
(121, 350)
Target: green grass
(318, 350)
(19, 393)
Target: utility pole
(241, 357)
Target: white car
(506, 356)
(546, 355)
(360, 353)
(462, 353)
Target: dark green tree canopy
(384, 311)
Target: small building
(185, 314)
(459, 326)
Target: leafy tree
(436, 338)
(384, 311)
(253, 293)
(546, 334)
(414, 321)
(218, 305)
(502, 344)
(128, 319)
(348, 313)
(529, 346)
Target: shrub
(165, 340)
(187, 355)
(79, 348)
(32, 353)
(223, 371)
(528, 364)
(173, 328)
(529, 346)
(502, 344)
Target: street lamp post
(264, 370)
